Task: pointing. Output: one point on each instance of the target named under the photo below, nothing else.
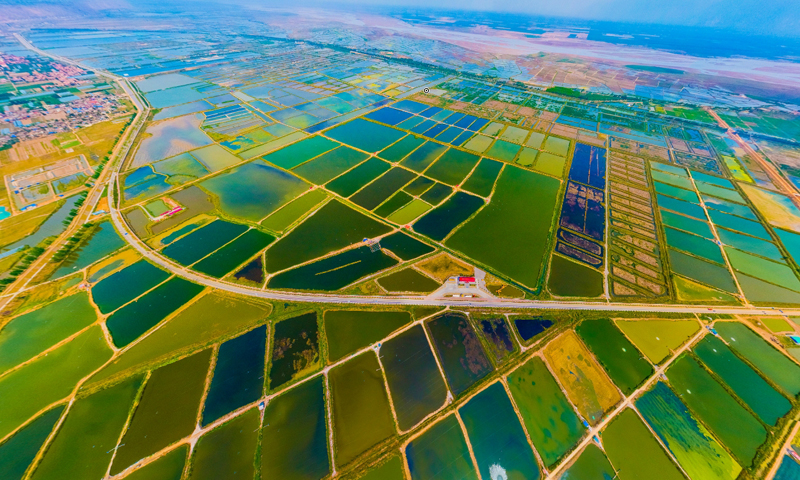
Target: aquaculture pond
(439, 222)
(329, 165)
(215, 158)
(168, 467)
(419, 186)
(623, 362)
(238, 376)
(167, 410)
(481, 181)
(123, 286)
(365, 135)
(529, 328)
(657, 338)
(440, 452)
(408, 280)
(692, 445)
(350, 330)
(452, 167)
(382, 188)
(460, 351)
(571, 279)
(497, 438)
(128, 323)
(768, 360)
(389, 470)
(294, 210)
(415, 384)
(404, 246)
(101, 240)
(722, 414)
(234, 254)
(745, 382)
(410, 212)
(423, 156)
(254, 190)
(592, 464)
(252, 272)
(18, 452)
(347, 184)
(83, 446)
(551, 421)
(508, 234)
(293, 155)
(362, 416)
(203, 241)
(294, 441)
(633, 451)
(396, 201)
(229, 450)
(295, 349)
(498, 337)
(332, 227)
(585, 382)
(31, 333)
(436, 194)
(704, 272)
(401, 149)
(335, 272)
(49, 378)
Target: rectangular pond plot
(422, 127)
(778, 273)
(435, 130)
(295, 349)
(450, 134)
(238, 374)
(31, 333)
(720, 192)
(388, 115)
(401, 149)
(294, 210)
(438, 223)
(736, 428)
(461, 354)
(100, 241)
(498, 337)
(229, 450)
(331, 228)
(570, 251)
(167, 410)
(335, 272)
(362, 417)
(738, 224)
(679, 193)
(729, 207)
(393, 204)
(745, 382)
(293, 155)
(423, 156)
(131, 321)
(588, 165)
(405, 246)
(408, 280)
(294, 442)
(772, 363)
(203, 241)
(411, 106)
(623, 362)
(254, 190)
(329, 165)
(750, 244)
(497, 438)
(592, 464)
(376, 192)
(125, 285)
(633, 451)
(463, 137)
(352, 181)
(85, 441)
(657, 339)
(17, 452)
(436, 194)
(702, 271)
(365, 135)
(452, 167)
(391, 469)
(679, 206)
(415, 384)
(550, 419)
(350, 330)
(441, 453)
(695, 245)
(692, 445)
(689, 224)
(234, 254)
(584, 211)
(585, 382)
(481, 181)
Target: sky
(765, 17)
